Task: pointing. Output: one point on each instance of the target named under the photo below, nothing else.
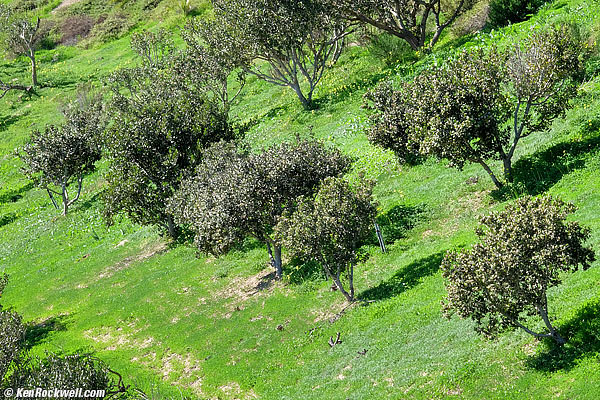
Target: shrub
(297, 40)
(479, 105)
(329, 228)
(506, 12)
(61, 155)
(235, 194)
(522, 252)
(161, 125)
(389, 123)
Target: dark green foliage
(522, 252)
(62, 372)
(479, 106)
(12, 334)
(298, 40)
(407, 20)
(457, 110)
(160, 127)
(209, 59)
(235, 194)
(60, 155)
(506, 12)
(329, 228)
(390, 123)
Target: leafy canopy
(521, 254)
(329, 228)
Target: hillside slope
(223, 328)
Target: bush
(235, 194)
(389, 123)
(506, 12)
(62, 372)
(523, 251)
(329, 228)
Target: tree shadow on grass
(37, 332)
(540, 171)
(405, 278)
(13, 195)
(396, 222)
(582, 332)
(8, 219)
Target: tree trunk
(171, 227)
(336, 280)
(508, 169)
(34, 81)
(65, 199)
(487, 169)
(275, 258)
(553, 332)
(306, 102)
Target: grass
(221, 328)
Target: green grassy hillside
(175, 323)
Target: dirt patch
(187, 367)
(240, 290)
(233, 390)
(148, 252)
(64, 4)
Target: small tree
(160, 126)
(389, 122)
(409, 20)
(209, 59)
(20, 36)
(329, 228)
(61, 155)
(295, 38)
(480, 105)
(235, 194)
(522, 252)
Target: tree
(209, 59)
(61, 155)
(159, 129)
(480, 105)
(21, 37)
(389, 123)
(295, 38)
(329, 227)
(457, 111)
(521, 254)
(407, 19)
(235, 194)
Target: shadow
(540, 171)
(11, 196)
(297, 271)
(583, 338)
(8, 219)
(405, 278)
(349, 89)
(6, 122)
(36, 333)
(265, 283)
(396, 222)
